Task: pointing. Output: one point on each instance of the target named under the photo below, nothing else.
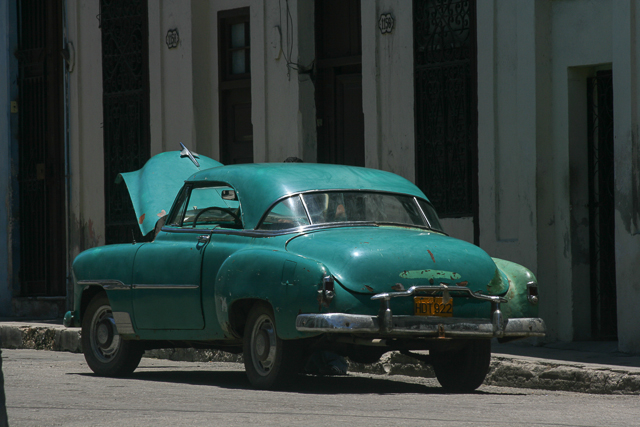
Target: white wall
(86, 137)
(387, 88)
(581, 37)
(533, 62)
(170, 77)
(507, 130)
(626, 79)
(525, 53)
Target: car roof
(259, 185)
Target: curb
(55, 338)
(504, 371)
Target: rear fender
(108, 267)
(287, 282)
(520, 279)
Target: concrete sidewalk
(588, 367)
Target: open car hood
(154, 187)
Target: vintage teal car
(278, 261)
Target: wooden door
(340, 117)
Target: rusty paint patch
(398, 287)
(141, 220)
(369, 288)
(495, 285)
(465, 283)
(162, 213)
(84, 236)
(429, 274)
(432, 257)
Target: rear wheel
(463, 370)
(106, 353)
(269, 361)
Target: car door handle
(204, 238)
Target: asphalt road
(46, 388)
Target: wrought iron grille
(125, 84)
(604, 322)
(32, 152)
(446, 104)
(40, 194)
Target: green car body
(341, 285)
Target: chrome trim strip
(108, 285)
(161, 286)
(301, 193)
(123, 322)
(386, 296)
(423, 326)
(173, 229)
(303, 229)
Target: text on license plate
(432, 306)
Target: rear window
(288, 213)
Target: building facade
(519, 119)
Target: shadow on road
(305, 384)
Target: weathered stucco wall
(581, 37)
(170, 77)
(534, 59)
(626, 79)
(387, 87)
(87, 208)
(507, 130)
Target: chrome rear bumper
(420, 326)
(388, 325)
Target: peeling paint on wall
(83, 236)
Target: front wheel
(106, 353)
(269, 361)
(464, 370)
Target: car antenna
(185, 152)
(133, 237)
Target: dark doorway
(604, 323)
(41, 149)
(445, 63)
(125, 101)
(340, 119)
(236, 129)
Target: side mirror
(229, 195)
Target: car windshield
(338, 207)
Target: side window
(180, 206)
(289, 213)
(206, 207)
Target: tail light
(532, 292)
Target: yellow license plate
(432, 306)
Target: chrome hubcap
(263, 345)
(105, 341)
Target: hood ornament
(186, 153)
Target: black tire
(269, 361)
(106, 353)
(464, 370)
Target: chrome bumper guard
(385, 324)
